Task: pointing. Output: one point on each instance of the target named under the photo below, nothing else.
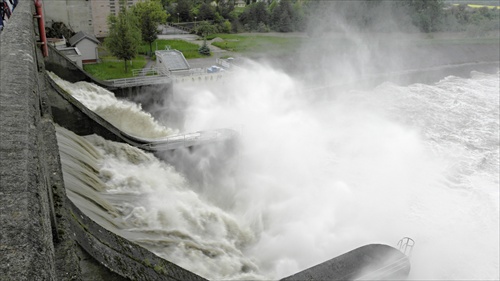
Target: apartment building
(100, 11)
(83, 15)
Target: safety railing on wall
(198, 78)
(406, 245)
(140, 80)
(150, 71)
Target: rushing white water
(317, 179)
(127, 116)
(148, 202)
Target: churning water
(125, 115)
(314, 179)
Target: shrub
(204, 50)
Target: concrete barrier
(26, 240)
(369, 262)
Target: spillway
(314, 180)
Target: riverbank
(360, 54)
(337, 58)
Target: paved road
(173, 33)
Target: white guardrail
(140, 80)
(150, 71)
(159, 75)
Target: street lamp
(177, 18)
(194, 22)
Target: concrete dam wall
(43, 236)
(39, 225)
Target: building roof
(80, 36)
(70, 51)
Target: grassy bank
(112, 68)
(257, 43)
(189, 50)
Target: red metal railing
(41, 27)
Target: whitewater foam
(316, 180)
(127, 116)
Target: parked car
(214, 69)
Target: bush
(226, 27)
(204, 50)
(262, 27)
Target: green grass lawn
(189, 50)
(112, 68)
(257, 43)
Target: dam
(45, 236)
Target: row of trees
(261, 16)
(140, 23)
(300, 15)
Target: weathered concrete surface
(26, 248)
(370, 262)
(39, 227)
(122, 256)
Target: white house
(87, 45)
(240, 3)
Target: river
(312, 179)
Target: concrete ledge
(122, 256)
(370, 262)
(26, 249)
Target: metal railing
(406, 245)
(140, 80)
(199, 78)
(150, 71)
(185, 140)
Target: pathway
(195, 39)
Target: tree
(124, 35)
(426, 14)
(150, 14)
(183, 9)
(225, 8)
(253, 15)
(203, 29)
(283, 17)
(206, 12)
(204, 50)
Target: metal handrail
(406, 245)
(139, 80)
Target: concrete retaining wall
(26, 240)
(41, 236)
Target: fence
(140, 80)
(161, 71)
(199, 78)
